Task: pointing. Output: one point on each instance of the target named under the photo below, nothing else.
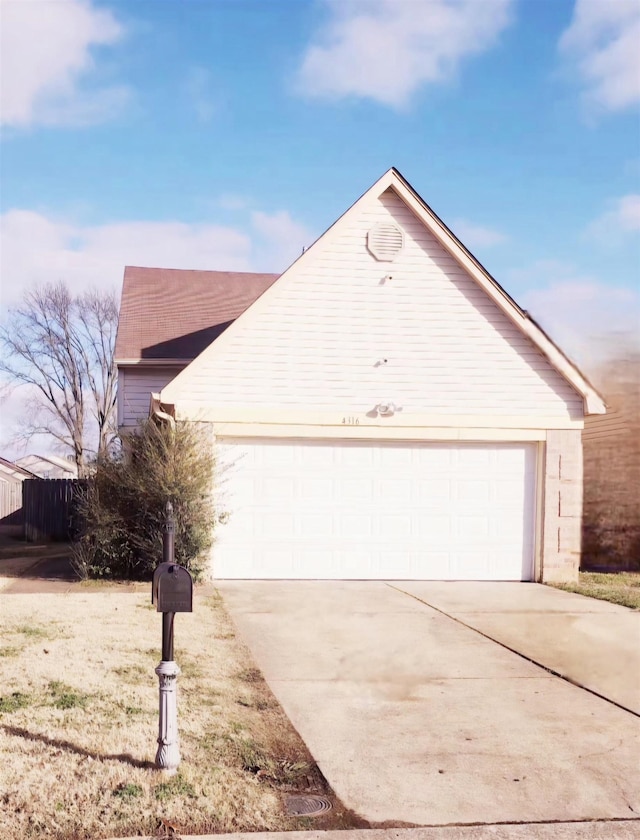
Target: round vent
(385, 242)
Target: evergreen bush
(122, 507)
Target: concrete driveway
(415, 717)
(593, 643)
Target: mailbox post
(172, 592)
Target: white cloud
(386, 50)
(589, 319)
(35, 248)
(233, 201)
(199, 93)
(47, 58)
(622, 217)
(627, 212)
(477, 236)
(279, 234)
(603, 39)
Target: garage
(382, 410)
(340, 509)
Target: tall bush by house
(122, 507)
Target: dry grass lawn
(618, 587)
(78, 723)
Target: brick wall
(562, 499)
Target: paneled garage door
(352, 510)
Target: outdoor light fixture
(387, 408)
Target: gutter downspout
(156, 409)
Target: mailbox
(172, 589)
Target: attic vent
(385, 242)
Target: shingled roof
(168, 313)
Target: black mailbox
(172, 589)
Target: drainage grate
(304, 805)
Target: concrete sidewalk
(619, 830)
(592, 643)
(51, 574)
(31, 568)
(415, 718)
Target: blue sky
(229, 133)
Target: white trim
(539, 514)
(120, 397)
(152, 362)
(293, 418)
(407, 433)
(593, 403)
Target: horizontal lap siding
(138, 386)
(450, 349)
(613, 424)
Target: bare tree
(62, 346)
(98, 317)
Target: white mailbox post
(171, 592)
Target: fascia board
(593, 402)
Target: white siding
(136, 387)
(450, 350)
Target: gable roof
(174, 314)
(392, 179)
(33, 460)
(593, 401)
(13, 469)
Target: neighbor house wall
(135, 386)
(611, 522)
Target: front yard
(79, 718)
(618, 587)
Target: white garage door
(351, 510)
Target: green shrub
(177, 786)
(64, 697)
(122, 508)
(128, 791)
(14, 701)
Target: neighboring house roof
(174, 314)
(34, 461)
(15, 471)
(593, 402)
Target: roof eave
(593, 401)
(132, 362)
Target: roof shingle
(168, 313)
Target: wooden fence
(11, 503)
(48, 506)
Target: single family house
(11, 477)
(382, 410)
(12, 473)
(49, 466)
